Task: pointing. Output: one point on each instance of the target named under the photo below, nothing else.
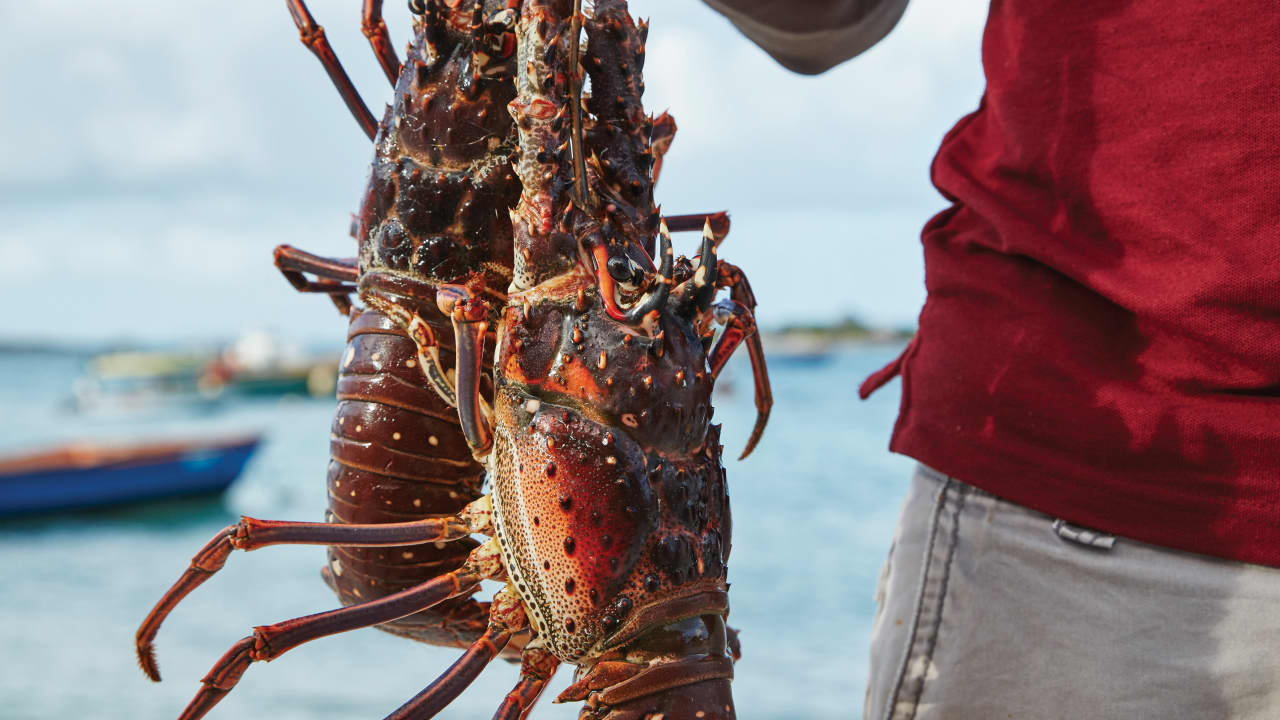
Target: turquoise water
(814, 509)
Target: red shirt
(1101, 339)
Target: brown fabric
(811, 36)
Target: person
(1094, 389)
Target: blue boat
(83, 476)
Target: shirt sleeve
(812, 36)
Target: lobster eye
(620, 269)
(626, 273)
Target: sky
(153, 154)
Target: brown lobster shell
(430, 215)
(588, 410)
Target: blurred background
(153, 154)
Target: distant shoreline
(788, 340)
(821, 339)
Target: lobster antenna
(579, 162)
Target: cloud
(154, 153)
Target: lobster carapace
(587, 408)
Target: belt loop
(1083, 536)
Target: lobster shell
(608, 504)
(430, 215)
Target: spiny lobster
(607, 509)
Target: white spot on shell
(532, 405)
(440, 544)
(336, 567)
(359, 428)
(407, 555)
(351, 355)
(395, 436)
(453, 494)
(417, 502)
(433, 440)
(411, 363)
(376, 357)
(611, 460)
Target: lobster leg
(739, 324)
(251, 534)
(330, 272)
(731, 276)
(506, 616)
(312, 35)
(468, 315)
(536, 668)
(271, 641)
(664, 131)
(719, 222)
(336, 277)
(376, 30)
(420, 332)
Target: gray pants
(989, 610)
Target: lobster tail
(396, 440)
(703, 699)
(681, 671)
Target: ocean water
(814, 510)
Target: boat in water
(91, 475)
(131, 381)
(255, 366)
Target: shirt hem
(1174, 527)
